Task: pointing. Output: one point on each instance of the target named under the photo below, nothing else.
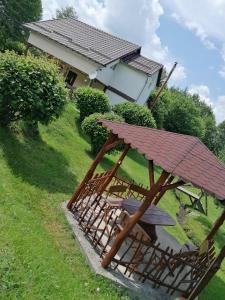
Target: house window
(70, 78)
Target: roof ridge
(185, 155)
(211, 153)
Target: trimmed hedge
(135, 114)
(90, 100)
(98, 134)
(31, 89)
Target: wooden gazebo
(119, 217)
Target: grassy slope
(38, 256)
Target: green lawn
(39, 258)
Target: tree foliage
(66, 12)
(178, 111)
(31, 89)
(13, 14)
(90, 100)
(96, 132)
(209, 120)
(220, 141)
(135, 114)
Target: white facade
(122, 82)
(63, 53)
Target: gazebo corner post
(134, 219)
(115, 168)
(151, 173)
(219, 222)
(213, 268)
(106, 147)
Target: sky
(189, 32)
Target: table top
(152, 216)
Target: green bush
(31, 89)
(135, 114)
(91, 101)
(96, 132)
(18, 47)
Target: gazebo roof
(181, 155)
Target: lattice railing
(175, 271)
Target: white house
(89, 56)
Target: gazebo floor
(134, 286)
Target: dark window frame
(70, 78)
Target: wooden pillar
(112, 138)
(134, 219)
(151, 173)
(216, 226)
(156, 201)
(213, 268)
(115, 168)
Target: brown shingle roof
(87, 40)
(181, 155)
(143, 64)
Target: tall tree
(209, 119)
(66, 12)
(220, 141)
(13, 14)
(181, 112)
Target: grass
(39, 258)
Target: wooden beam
(162, 192)
(213, 268)
(151, 173)
(216, 226)
(115, 168)
(172, 186)
(152, 104)
(134, 219)
(112, 138)
(113, 145)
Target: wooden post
(216, 226)
(90, 172)
(159, 196)
(152, 104)
(213, 268)
(114, 170)
(134, 219)
(151, 173)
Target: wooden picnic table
(152, 217)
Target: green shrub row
(98, 134)
(94, 105)
(135, 114)
(90, 101)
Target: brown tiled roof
(181, 155)
(87, 40)
(143, 64)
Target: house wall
(131, 82)
(61, 52)
(134, 83)
(105, 74)
(115, 98)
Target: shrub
(31, 89)
(98, 134)
(135, 114)
(91, 101)
(18, 47)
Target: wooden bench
(194, 199)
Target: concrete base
(135, 289)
